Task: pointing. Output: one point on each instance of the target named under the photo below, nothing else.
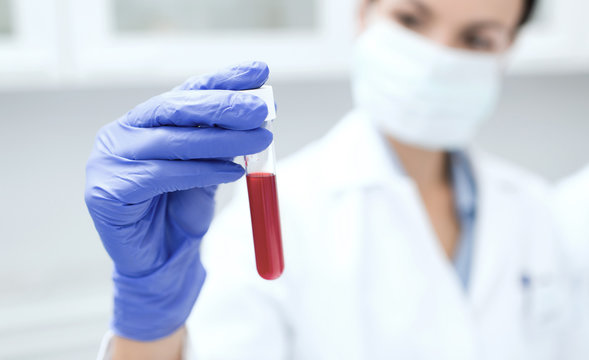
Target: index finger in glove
(243, 76)
(219, 108)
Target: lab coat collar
(364, 158)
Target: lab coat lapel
(495, 247)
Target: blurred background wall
(69, 67)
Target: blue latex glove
(150, 185)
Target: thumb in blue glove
(150, 185)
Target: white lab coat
(365, 276)
(572, 212)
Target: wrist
(154, 306)
(170, 347)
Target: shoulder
(507, 176)
(314, 167)
(301, 177)
(571, 208)
(575, 187)
(515, 190)
(571, 198)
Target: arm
(168, 348)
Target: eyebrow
(421, 6)
(481, 25)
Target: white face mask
(422, 93)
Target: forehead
(463, 12)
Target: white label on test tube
(263, 161)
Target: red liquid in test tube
(265, 215)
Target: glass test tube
(261, 186)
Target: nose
(443, 37)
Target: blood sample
(261, 187)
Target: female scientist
(400, 241)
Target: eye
(408, 20)
(478, 43)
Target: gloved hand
(150, 186)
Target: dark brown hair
(529, 6)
